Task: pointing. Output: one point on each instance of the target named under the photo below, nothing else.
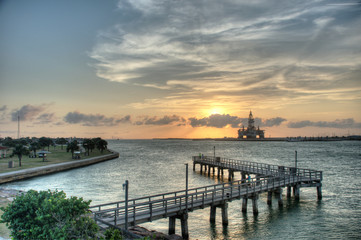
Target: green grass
(57, 155)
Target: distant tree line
(25, 146)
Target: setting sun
(215, 110)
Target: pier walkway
(176, 205)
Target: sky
(179, 68)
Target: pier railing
(153, 207)
(256, 168)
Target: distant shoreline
(288, 139)
(54, 168)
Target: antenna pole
(18, 126)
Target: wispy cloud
(242, 48)
(45, 118)
(339, 123)
(165, 120)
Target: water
(156, 166)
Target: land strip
(53, 168)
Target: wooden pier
(176, 205)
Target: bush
(49, 215)
(113, 234)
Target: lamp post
(296, 160)
(186, 187)
(214, 151)
(125, 187)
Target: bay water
(158, 166)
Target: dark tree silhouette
(20, 150)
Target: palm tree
(20, 150)
(102, 145)
(91, 145)
(34, 146)
(72, 146)
(88, 144)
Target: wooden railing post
(150, 211)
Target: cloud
(3, 108)
(3, 111)
(245, 49)
(45, 118)
(94, 119)
(339, 123)
(217, 121)
(273, 122)
(224, 120)
(27, 112)
(165, 120)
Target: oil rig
(251, 132)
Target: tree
(34, 146)
(45, 142)
(87, 144)
(91, 145)
(20, 150)
(61, 141)
(72, 146)
(8, 142)
(96, 140)
(102, 145)
(49, 215)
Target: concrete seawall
(54, 168)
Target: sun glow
(216, 110)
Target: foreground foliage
(49, 215)
(113, 234)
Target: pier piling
(184, 225)
(269, 198)
(288, 191)
(244, 204)
(319, 191)
(279, 197)
(255, 204)
(296, 190)
(224, 209)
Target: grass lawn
(57, 155)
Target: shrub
(113, 234)
(49, 215)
